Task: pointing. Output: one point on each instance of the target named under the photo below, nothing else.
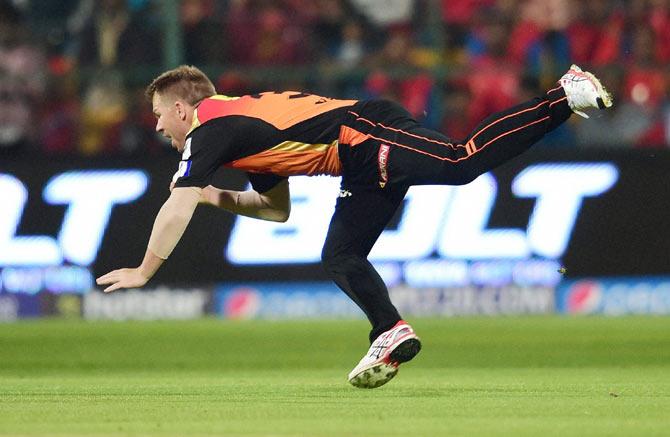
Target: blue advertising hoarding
(615, 296)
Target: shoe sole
(381, 373)
(406, 350)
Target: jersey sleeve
(205, 150)
(262, 182)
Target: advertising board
(537, 220)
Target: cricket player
(374, 145)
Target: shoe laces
(386, 339)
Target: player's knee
(335, 262)
(328, 260)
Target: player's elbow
(278, 215)
(283, 217)
(276, 210)
(285, 211)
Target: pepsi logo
(242, 303)
(584, 297)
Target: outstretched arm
(273, 205)
(169, 226)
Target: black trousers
(383, 152)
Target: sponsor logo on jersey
(382, 159)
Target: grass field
(526, 376)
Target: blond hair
(185, 82)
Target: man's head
(174, 96)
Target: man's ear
(181, 109)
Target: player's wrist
(144, 272)
(150, 264)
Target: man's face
(173, 119)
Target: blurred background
(579, 225)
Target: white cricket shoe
(393, 347)
(584, 90)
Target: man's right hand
(122, 278)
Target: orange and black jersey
(269, 135)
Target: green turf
(476, 376)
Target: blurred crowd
(73, 71)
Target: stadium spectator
(645, 88)
(387, 19)
(22, 78)
(352, 48)
(387, 13)
(327, 25)
(458, 16)
(538, 41)
(104, 109)
(59, 129)
(113, 34)
(205, 39)
(413, 88)
(455, 121)
(341, 33)
(659, 18)
(596, 31)
(275, 39)
(492, 79)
